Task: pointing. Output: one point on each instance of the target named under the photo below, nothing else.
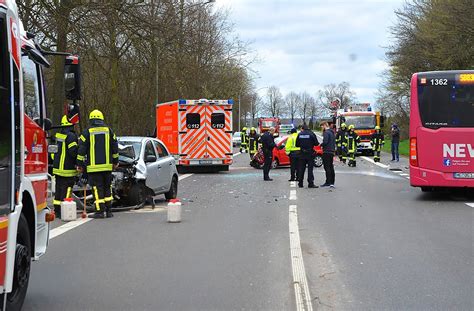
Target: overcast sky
(306, 44)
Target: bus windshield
(445, 102)
(361, 122)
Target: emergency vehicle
(264, 124)
(197, 132)
(24, 214)
(364, 120)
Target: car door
(166, 163)
(152, 166)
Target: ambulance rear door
(219, 133)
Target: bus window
(218, 120)
(193, 121)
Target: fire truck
(24, 215)
(197, 132)
(264, 124)
(364, 120)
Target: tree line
(429, 35)
(135, 54)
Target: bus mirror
(72, 78)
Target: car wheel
(275, 163)
(22, 265)
(318, 161)
(173, 192)
(137, 194)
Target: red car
(280, 158)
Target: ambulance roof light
(230, 101)
(182, 101)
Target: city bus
(442, 130)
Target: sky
(303, 45)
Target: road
(373, 243)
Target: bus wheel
(22, 265)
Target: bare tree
(342, 91)
(292, 101)
(274, 104)
(304, 105)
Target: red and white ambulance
(197, 132)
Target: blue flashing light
(230, 101)
(369, 108)
(182, 101)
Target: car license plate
(205, 162)
(464, 175)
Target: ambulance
(197, 132)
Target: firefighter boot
(108, 211)
(98, 215)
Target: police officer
(268, 143)
(98, 152)
(243, 140)
(293, 153)
(252, 147)
(341, 142)
(64, 163)
(377, 143)
(306, 140)
(352, 141)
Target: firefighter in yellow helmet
(98, 155)
(341, 142)
(253, 140)
(244, 137)
(377, 143)
(352, 141)
(64, 163)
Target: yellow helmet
(351, 127)
(244, 128)
(65, 121)
(96, 114)
(253, 129)
(377, 127)
(343, 125)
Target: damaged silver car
(146, 169)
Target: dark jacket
(329, 141)
(306, 140)
(268, 142)
(395, 135)
(64, 163)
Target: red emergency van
(197, 132)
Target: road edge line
(67, 226)
(300, 281)
(376, 163)
(184, 176)
(470, 204)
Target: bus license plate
(205, 162)
(464, 175)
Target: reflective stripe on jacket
(64, 161)
(98, 149)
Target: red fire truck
(197, 132)
(264, 124)
(24, 214)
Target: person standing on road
(243, 140)
(395, 142)
(377, 143)
(98, 153)
(268, 144)
(306, 140)
(64, 163)
(341, 140)
(253, 143)
(352, 141)
(329, 148)
(293, 153)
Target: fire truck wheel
(21, 274)
(173, 192)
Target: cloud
(306, 44)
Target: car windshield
(268, 123)
(237, 134)
(361, 122)
(129, 149)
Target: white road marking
(184, 176)
(67, 226)
(293, 184)
(300, 281)
(236, 154)
(407, 177)
(373, 162)
(292, 195)
(470, 204)
(404, 174)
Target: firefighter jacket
(64, 161)
(98, 148)
(352, 141)
(341, 138)
(291, 144)
(253, 143)
(377, 140)
(244, 138)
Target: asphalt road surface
(373, 243)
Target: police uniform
(268, 143)
(341, 143)
(243, 140)
(306, 140)
(352, 141)
(64, 163)
(377, 142)
(253, 140)
(98, 153)
(293, 153)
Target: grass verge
(403, 148)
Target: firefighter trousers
(101, 183)
(377, 154)
(63, 190)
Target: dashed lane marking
(470, 204)
(300, 281)
(373, 162)
(67, 226)
(292, 195)
(184, 176)
(293, 184)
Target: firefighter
(253, 139)
(98, 153)
(306, 140)
(293, 153)
(341, 143)
(377, 143)
(64, 163)
(243, 140)
(352, 141)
